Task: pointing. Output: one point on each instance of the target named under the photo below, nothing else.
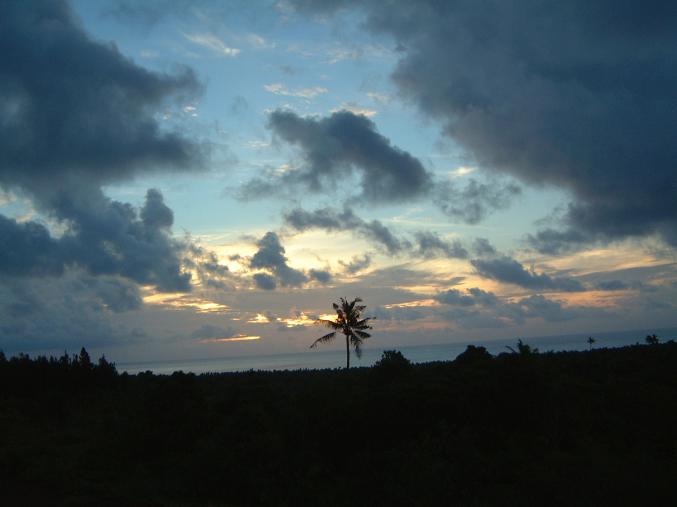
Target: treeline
(21, 373)
(526, 428)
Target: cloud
(354, 108)
(270, 256)
(264, 281)
(471, 297)
(104, 237)
(95, 124)
(475, 201)
(356, 264)
(431, 245)
(344, 152)
(304, 93)
(547, 309)
(507, 270)
(322, 276)
(428, 244)
(345, 144)
(576, 96)
(330, 219)
(210, 332)
(213, 43)
(70, 311)
(475, 307)
(482, 247)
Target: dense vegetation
(573, 428)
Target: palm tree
(348, 321)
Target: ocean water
(318, 359)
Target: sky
(192, 179)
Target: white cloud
(306, 93)
(461, 171)
(355, 109)
(379, 98)
(258, 42)
(213, 43)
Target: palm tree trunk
(347, 353)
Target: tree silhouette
(523, 349)
(348, 321)
(652, 339)
(591, 340)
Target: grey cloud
(482, 247)
(508, 270)
(579, 95)
(475, 307)
(206, 264)
(210, 331)
(475, 201)
(397, 313)
(330, 219)
(270, 256)
(431, 245)
(77, 114)
(356, 263)
(344, 143)
(320, 275)
(117, 294)
(264, 281)
(104, 237)
(428, 244)
(69, 311)
(540, 306)
(612, 285)
(77, 111)
(472, 296)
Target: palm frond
(361, 334)
(326, 338)
(329, 323)
(357, 345)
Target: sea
(323, 359)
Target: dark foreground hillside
(594, 428)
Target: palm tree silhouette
(348, 321)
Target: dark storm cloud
(344, 143)
(77, 114)
(77, 109)
(581, 95)
(507, 270)
(105, 237)
(426, 244)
